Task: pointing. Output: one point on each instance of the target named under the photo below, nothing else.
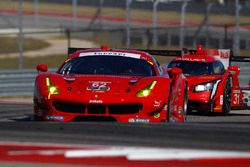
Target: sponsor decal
(96, 101)
(224, 53)
(98, 86)
(221, 99)
(223, 56)
(139, 120)
(132, 55)
(236, 91)
(165, 107)
(236, 98)
(180, 110)
(55, 118)
(157, 103)
(190, 59)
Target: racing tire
(227, 98)
(35, 118)
(185, 103)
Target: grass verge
(10, 44)
(53, 61)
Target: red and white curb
(118, 155)
(146, 154)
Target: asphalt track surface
(230, 132)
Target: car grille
(115, 109)
(69, 107)
(96, 109)
(124, 109)
(94, 118)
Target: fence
(180, 27)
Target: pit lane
(231, 132)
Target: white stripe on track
(131, 153)
(143, 153)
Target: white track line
(143, 153)
(131, 153)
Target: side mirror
(42, 68)
(174, 72)
(234, 68)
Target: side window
(218, 68)
(158, 66)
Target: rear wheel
(227, 98)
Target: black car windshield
(108, 65)
(193, 68)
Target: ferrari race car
(110, 85)
(213, 85)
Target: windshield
(108, 65)
(193, 68)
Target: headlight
(203, 87)
(147, 90)
(52, 89)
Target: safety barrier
(17, 83)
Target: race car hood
(195, 80)
(103, 84)
(104, 87)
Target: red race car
(110, 85)
(213, 84)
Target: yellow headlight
(53, 90)
(146, 91)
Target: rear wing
(221, 54)
(170, 53)
(73, 50)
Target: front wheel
(227, 98)
(185, 103)
(35, 118)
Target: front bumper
(201, 101)
(143, 111)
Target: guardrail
(21, 83)
(17, 83)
